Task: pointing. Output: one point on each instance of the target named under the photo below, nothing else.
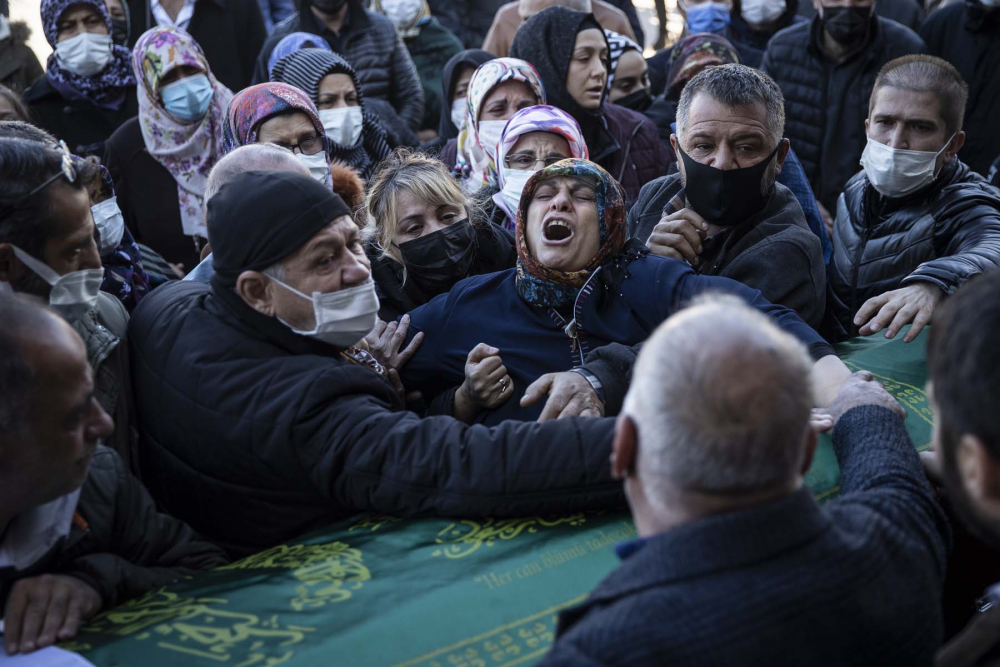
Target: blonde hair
(405, 171)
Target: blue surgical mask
(708, 17)
(187, 100)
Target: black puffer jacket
(945, 234)
(370, 43)
(254, 434)
(826, 103)
(119, 543)
(968, 36)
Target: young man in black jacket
(916, 223)
(77, 533)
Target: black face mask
(847, 25)
(639, 101)
(329, 6)
(119, 31)
(434, 263)
(725, 197)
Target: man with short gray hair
(724, 213)
(735, 563)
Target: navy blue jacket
(855, 582)
(623, 302)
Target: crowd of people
(268, 264)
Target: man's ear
(624, 448)
(255, 290)
(979, 472)
(812, 440)
(783, 147)
(954, 146)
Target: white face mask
(762, 12)
(402, 13)
(342, 318)
(489, 135)
(343, 125)
(86, 54)
(514, 181)
(73, 294)
(895, 172)
(110, 225)
(458, 112)
(317, 165)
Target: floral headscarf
(187, 150)
(488, 76)
(618, 45)
(542, 286)
(253, 105)
(106, 89)
(292, 43)
(541, 118)
(693, 54)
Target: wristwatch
(594, 382)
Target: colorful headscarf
(693, 54)
(541, 118)
(618, 45)
(488, 76)
(305, 70)
(106, 89)
(542, 286)
(292, 43)
(187, 150)
(252, 106)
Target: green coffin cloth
(430, 592)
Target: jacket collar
(723, 542)
(876, 207)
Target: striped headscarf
(292, 43)
(542, 286)
(488, 76)
(106, 89)
(305, 70)
(187, 150)
(617, 45)
(252, 106)
(541, 118)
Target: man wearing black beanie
(259, 421)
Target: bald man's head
(252, 157)
(529, 8)
(721, 400)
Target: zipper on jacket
(627, 150)
(571, 329)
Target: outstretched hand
(43, 610)
(914, 303)
(386, 339)
(858, 390)
(570, 395)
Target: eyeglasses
(309, 146)
(66, 169)
(526, 161)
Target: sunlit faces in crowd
(631, 76)
(563, 231)
(77, 20)
(536, 150)
(914, 121)
(83, 45)
(588, 69)
(295, 131)
(337, 91)
(185, 92)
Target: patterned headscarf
(541, 118)
(618, 45)
(292, 43)
(542, 286)
(693, 54)
(407, 26)
(187, 150)
(253, 105)
(305, 69)
(106, 89)
(488, 76)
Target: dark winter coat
(119, 543)
(854, 582)
(640, 157)
(826, 103)
(944, 234)
(469, 20)
(494, 252)
(623, 302)
(370, 43)
(83, 125)
(751, 44)
(968, 36)
(905, 12)
(255, 434)
(230, 32)
(147, 196)
(19, 67)
(773, 251)
(430, 51)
